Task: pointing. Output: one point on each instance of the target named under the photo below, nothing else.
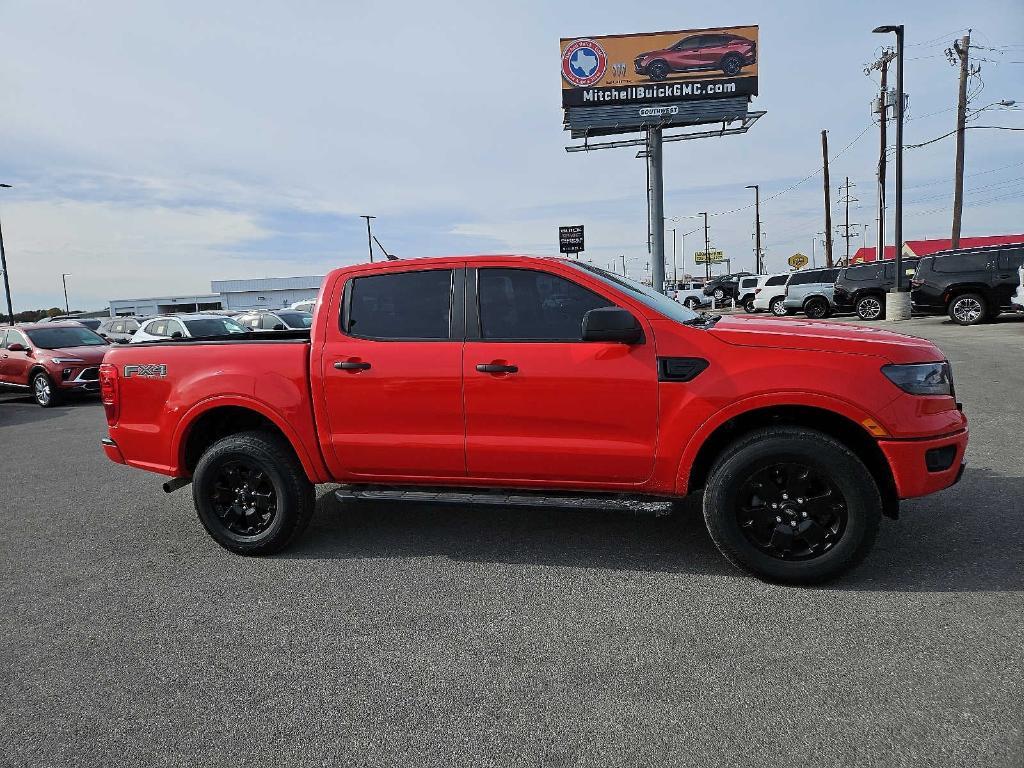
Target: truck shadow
(17, 408)
(966, 539)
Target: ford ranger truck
(549, 376)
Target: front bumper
(909, 463)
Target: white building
(259, 293)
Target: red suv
(53, 359)
(706, 51)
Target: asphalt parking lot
(399, 635)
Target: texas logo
(584, 62)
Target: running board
(640, 505)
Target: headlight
(63, 360)
(921, 378)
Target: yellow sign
(659, 66)
(797, 261)
(705, 257)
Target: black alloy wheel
(243, 498)
(732, 64)
(692, 303)
(657, 71)
(719, 294)
(790, 511)
(816, 308)
(748, 305)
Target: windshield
(296, 319)
(220, 326)
(656, 301)
(58, 338)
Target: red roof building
(917, 248)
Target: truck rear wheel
(792, 505)
(251, 493)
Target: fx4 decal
(149, 371)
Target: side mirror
(611, 324)
(176, 335)
(278, 327)
(16, 347)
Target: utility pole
(962, 51)
(656, 206)
(828, 201)
(3, 266)
(64, 279)
(369, 235)
(882, 108)
(758, 266)
(707, 248)
(675, 262)
(847, 199)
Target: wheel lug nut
(778, 519)
(774, 505)
(803, 514)
(785, 495)
(800, 500)
(793, 523)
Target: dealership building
(259, 293)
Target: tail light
(110, 392)
(916, 283)
(757, 291)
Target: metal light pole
(369, 235)
(3, 266)
(898, 30)
(757, 226)
(64, 279)
(656, 206)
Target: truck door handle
(351, 365)
(496, 368)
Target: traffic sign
(797, 261)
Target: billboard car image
(661, 66)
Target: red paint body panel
(584, 415)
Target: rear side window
(776, 280)
(962, 262)
(819, 276)
(748, 282)
(527, 305)
(861, 274)
(402, 305)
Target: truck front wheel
(792, 505)
(251, 493)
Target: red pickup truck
(546, 375)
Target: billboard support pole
(656, 208)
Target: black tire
(817, 308)
(274, 468)
(44, 392)
(657, 71)
(870, 307)
(748, 305)
(731, 64)
(777, 306)
(719, 294)
(692, 303)
(968, 309)
(853, 504)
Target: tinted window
(860, 274)
(1011, 259)
(219, 326)
(55, 338)
(130, 326)
(523, 304)
(296, 319)
(962, 262)
(776, 280)
(404, 305)
(748, 282)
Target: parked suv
(745, 292)
(51, 359)
(690, 295)
(770, 294)
(724, 286)
(119, 329)
(282, 320)
(970, 286)
(186, 326)
(862, 288)
(708, 50)
(810, 291)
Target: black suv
(724, 286)
(970, 285)
(862, 288)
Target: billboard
(660, 68)
(709, 257)
(570, 239)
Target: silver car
(810, 291)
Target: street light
(64, 279)
(901, 304)
(3, 267)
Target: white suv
(770, 294)
(186, 326)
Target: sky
(154, 147)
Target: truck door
(541, 404)
(391, 377)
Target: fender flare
(791, 398)
(313, 465)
